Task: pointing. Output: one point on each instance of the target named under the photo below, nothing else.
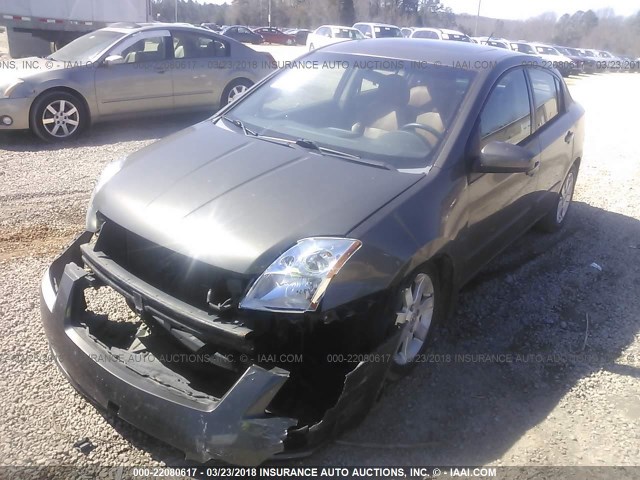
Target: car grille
(177, 275)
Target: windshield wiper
(239, 124)
(304, 143)
(310, 145)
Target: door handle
(568, 137)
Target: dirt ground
(551, 374)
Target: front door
(500, 204)
(141, 81)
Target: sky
(521, 9)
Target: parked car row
(258, 35)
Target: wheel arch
(64, 89)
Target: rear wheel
(58, 116)
(556, 217)
(417, 314)
(235, 90)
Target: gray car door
(202, 66)
(136, 76)
(500, 204)
(555, 128)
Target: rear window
(347, 33)
(425, 34)
(546, 50)
(386, 32)
(456, 37)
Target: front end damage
(207, 381)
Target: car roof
(422, 50)
(335, 26)
(449, 31)
(375, 24)
(143, 27)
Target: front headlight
(7, 88)
(298, 279)
(107, 174)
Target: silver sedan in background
(126, 70)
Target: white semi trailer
(34, 26)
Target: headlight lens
(107, 174)
(7, 88)
(297, 280)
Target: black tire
(69, 125)
(553, 220)
(235, 84)
(400, 365)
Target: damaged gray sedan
(287, 256)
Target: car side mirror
(368, 34)
(113, 60)
(503, 157)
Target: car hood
(237, 202)
(24, 68)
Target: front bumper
(18, 110)
(236, 427)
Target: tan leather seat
(421, 102)
(388, 111)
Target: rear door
(500, 204)
(143, 82)
(201, 67)
(555, 128)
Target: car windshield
(523, 48)
(385, 32)
(547, 50)
(378, 109)
(347, 33)
(85, 48)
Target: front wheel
(234, 90)
(557, 216)
(419, 306)
(58, 116)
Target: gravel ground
(552, 398)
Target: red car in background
(273, 35)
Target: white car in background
(378, 30)
(492, 42)
(550, 55)
(328, 34)
(440, 34)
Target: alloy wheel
(61, 118)
(415, 317)
(566, 194)
(236, 92)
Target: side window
(506, 115)
(146, 50)
(545, 96)
(325, 32)
(187, 45)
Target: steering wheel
(426, 128)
